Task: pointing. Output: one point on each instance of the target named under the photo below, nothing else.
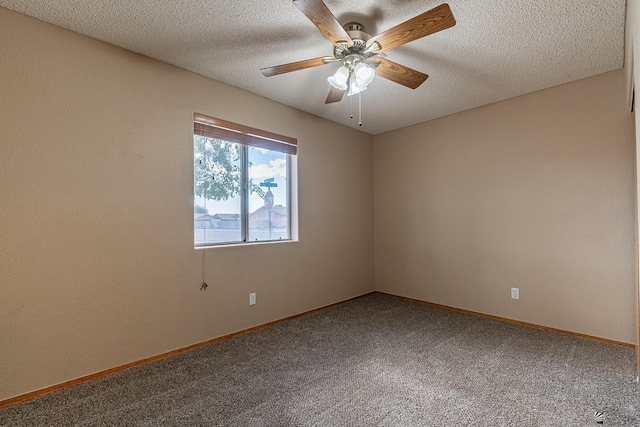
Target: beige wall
(535, 192)
(632, 51)
(97, 265)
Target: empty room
(319, 213)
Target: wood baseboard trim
(516, 322)
(101, 374)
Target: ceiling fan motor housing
(356, 31)
(357, 52)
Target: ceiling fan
(362, 56)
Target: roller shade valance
(211, 127)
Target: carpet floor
(373, 361)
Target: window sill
(235, 245)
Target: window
(242, 185)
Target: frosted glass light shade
(357, 85)
(364, 73)
(339, 79)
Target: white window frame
(249, 137)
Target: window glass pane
(268, 195)
(217, 191)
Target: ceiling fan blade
(399, 73)
(321, 16)
(437, 19)
(295, 66)
(335, 95)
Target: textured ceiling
(497, 50)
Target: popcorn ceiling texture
(499, 49)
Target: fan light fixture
(361, 56)
(355, 78)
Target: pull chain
(350, 106)
(359, 109)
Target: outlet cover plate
(515, 293)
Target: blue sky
(264, 164)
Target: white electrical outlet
(515, 293)
(252, 299)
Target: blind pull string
(204, 273)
